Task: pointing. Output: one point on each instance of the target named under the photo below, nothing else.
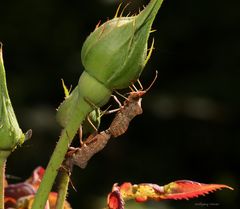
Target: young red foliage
(115, 200)
(21, 195)
(178, 190)
(184, 189)
(36, 177)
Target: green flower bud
(113, 56)
(116, 52)
(10, 133)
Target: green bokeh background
(190, 128)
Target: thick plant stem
(62, 189)
(58, 155)
(3, 159)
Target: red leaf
(184, 189)
(177, 190)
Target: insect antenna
(91, 123)
(114, 110)
(106, 111)
(155, 78)
(80, 134)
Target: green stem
(3, 159)
(62, 189)
(58, 155)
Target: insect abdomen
(85, 153)
(121, 122)
(119, 125)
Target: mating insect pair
(97, 141)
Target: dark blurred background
(190, 128)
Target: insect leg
(68, 170)
(105, 111)
(156, 75)
(140, 84)
(118, 102)
(121, 95)
(117, 109)
(94, 106)
(91, 123)
(91, 136)
(71, 151)
(80, 135)
(132, 89)
(112, 111)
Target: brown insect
(130, 109)
(92, 145)
(96, 142)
